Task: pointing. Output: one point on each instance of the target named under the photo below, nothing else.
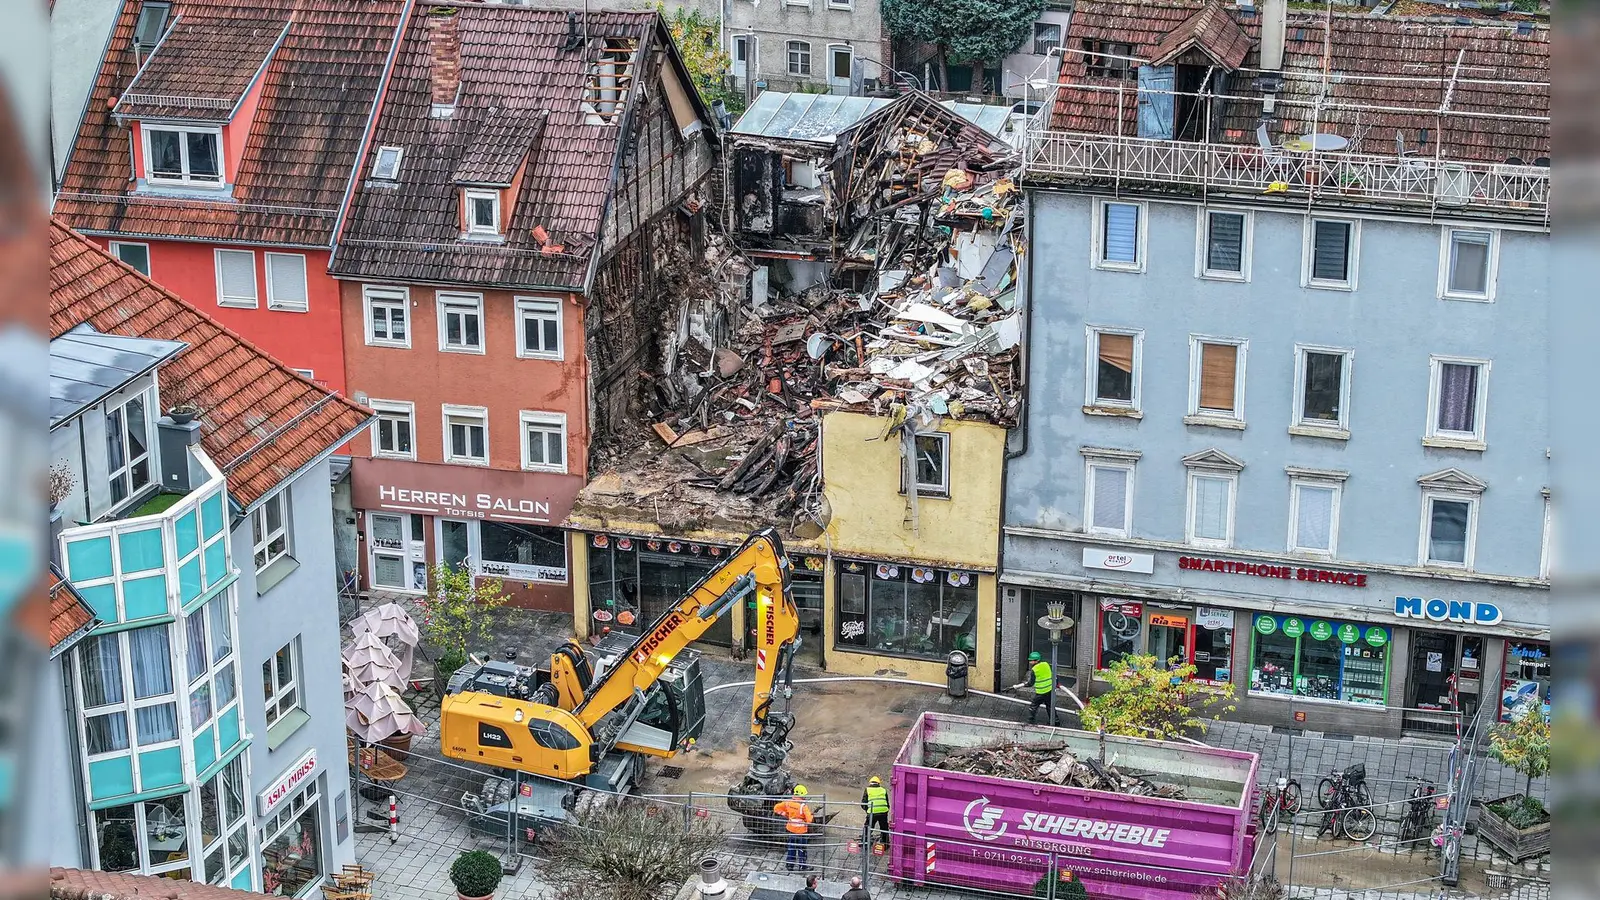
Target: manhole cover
(671, 772)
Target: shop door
(394, 546)
(805, 586)
(1433, 662)
(1167, 637)
(665, 579)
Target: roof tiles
(202, 68)
(1213, 31)
(69, 615)
(80, 884)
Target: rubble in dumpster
(1054, 763)
(914, 317)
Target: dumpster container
(956, 674)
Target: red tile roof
(1422, 8)
(262, 421)
(316, 99)
(69, 615)
(1387, 75)
(1211, 30)
(202, 68)
(80, 884)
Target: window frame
(790, 49)
(1090, 464)
(1091, 400)
(443, 300)
(375, 296)
(847, 50)
(1199, 416)
(1298, 423)
(1056, 44)
(130, 702)
(1547, 534)
(187, 179)
(925, 489)
(481, 413)
(1447, 235)
(161, 30)
(262, 536)
(839, 4)
(468, 198)
(254, 301)
(1190, 535)
(1098, 243)
(393, 409)
(1477, 439)
(1425, 533)
(214, 667)
(272, 702)
(394, 169)
(113, 246)
(305, 282)
(1202, 256)
(129, 461)
(531, 307)
(556, 421)
(1296, 482)
(1352, 260)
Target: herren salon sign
(464, 506)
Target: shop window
(1526, 686)
(667, 571)
(522, 552)
(614, 582)
(1119, 630)
(1039, 640)
(907, 610)
(1213, 645)
(1319, 659)
(291, 846)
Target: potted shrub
(1066, 886)
(475, 874)
(454, 616)
(1519, 825)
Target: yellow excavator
(591, 718)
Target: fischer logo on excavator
(657, 637)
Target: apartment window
(128, 446)
(1467, 267)
(799, 57)
(931, 466)
(544, 441)
(1216, 379)
(483, 211)
(1119, 236)
(151, 25)
(1108, 500)
(461, 323)
(1211, 500)
(386, 165)
(280, 683)
(538, 328)
(1108, 59)
(1322, 390)
(840, 4)
(1449, 525)
(839, 63)
(307, 374)
(1457, 402)
(392, 433)
(134, 256)
(236, 278)
(182, 155)
(1046, 38)
(213, 681)
(286, 282)
(1331, 251)
(1314, 514)
(466, 435)
(270, 522)
(1114, 364)
(387, 316)
(1225, 245)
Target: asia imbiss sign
(287, 783)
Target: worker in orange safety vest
(797, 821)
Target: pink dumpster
(1002, 834)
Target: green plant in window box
(475, 873)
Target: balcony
(1467, 189)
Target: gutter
(366, 135)
(311, 464)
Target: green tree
(696, 35)
(972, 31)
(1148, 698)
(1523, 744)
(455, 614)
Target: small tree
(455, 615)
(974, 31)
(696, 35)
(628, 851)
(1244, 887)
(1150, 699)
(1523, 744)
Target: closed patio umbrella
(376, 712)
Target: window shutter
(1117, 350)
(1122, 233)
(286, 281)
(237, 271)
(1316, 518)
(1225, 250)
(1330, 251)
(1110, 498)
(1211, 508)
(1218, 373)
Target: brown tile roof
(262, 421)
(505, 140)
(1500, 101)
(69, 615)
(202, 68)
(80, 884)
(515, 62)
(1422, 8)
(293, 173)
(1213, 31)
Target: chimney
(444, 60)
(172, 444)
(1274, 19)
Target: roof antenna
(572, 33)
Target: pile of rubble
(1053, 763)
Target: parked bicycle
(1353, 779)
(1282, 799)
(1350, 814)
(1418, 819)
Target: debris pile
(1053, 763)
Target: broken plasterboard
(922, 312)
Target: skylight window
(152, 23)
(386, 167)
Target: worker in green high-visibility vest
(1044, 681)
(875, 800)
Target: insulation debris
(1053, 763)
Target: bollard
(394, 820)
(711, 883)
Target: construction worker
(1044, 681)
(875, 800)
(797, 821)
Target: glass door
(1168, 636)
(389, 551)
(455, 543)
(1433, 662)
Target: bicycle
(1284, 797)
(1418, 818)
(1353, 778)
(1350, 816)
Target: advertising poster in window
(1320, 659)
(1119, 630)
(1526, 687)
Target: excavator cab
(674, 707)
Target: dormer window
(182, 155)
(483, 212)
(386, 167)
(152, 23)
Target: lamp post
(1056, 621)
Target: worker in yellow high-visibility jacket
(1044, 681)
(875, 800)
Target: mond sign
(1436, 610)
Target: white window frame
(547, 421)
(789, 51)
(1098, 244)
(838, 4)
(273, 700)
(481, 413)
(125, 471)
(930, 489)
(847, 50)
(113, 246)
(186, 179)
(1189, 534)
(1090, 465)
(1352, 256)
(263, 536)
(1477, 439)
(1055, 44)
(303, 305)
(1296, 482)
(1198, 416)
(392, 172)
(251, 302)
(1298, 424)
(394, 409)
(540, 308)
(373, 296)
(1202, 244)
(1425, 533)
(1447, 235)
(443, 301)
(1091, 401)
(206, 615)
(468, 196)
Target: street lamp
(1056, 621)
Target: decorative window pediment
(1453, 479)
(1213, 459)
